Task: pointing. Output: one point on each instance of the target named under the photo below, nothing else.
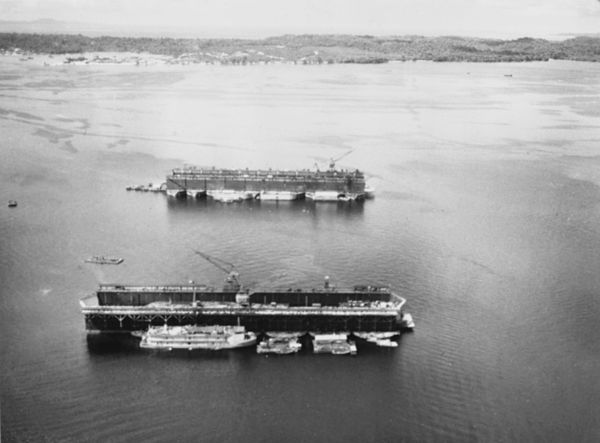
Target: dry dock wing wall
(122, 295)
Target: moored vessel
(407, 323)
(101, 260)
(386, 342)
(336, 344)
(279, 344)
(193, 337)
(383, 339)
(369, 191)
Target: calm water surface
(486, 219)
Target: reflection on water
(245, 207)
(112, 344)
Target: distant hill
(310, 49)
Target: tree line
(308, 48)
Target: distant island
(305, 49)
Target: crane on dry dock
(232, 280)
(333, 160)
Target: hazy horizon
(508, 19)
(51, 26)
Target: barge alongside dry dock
(125, 308)
(240, 184)
(192, 337)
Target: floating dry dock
(237, 184)
(125, 308)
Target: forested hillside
(314, 48)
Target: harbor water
(486, 219)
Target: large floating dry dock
(125, 308)
(239, 184)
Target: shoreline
(148, 59)
(295, 49)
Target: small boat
(350, 197)
(12, 203)
(372, 337)
(325, 196)
(148, 188)
(336, 344)
(343, 348)
(192, 337)
(279, 345)
(158, 188)
(407, 322)
(101, 260)
(383, 339)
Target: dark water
(486, 219)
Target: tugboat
(407, 322)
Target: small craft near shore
(12, 203)
(148, 188)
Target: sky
(262, 18)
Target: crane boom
(333, 160)
(223, 265)
(231, 282)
